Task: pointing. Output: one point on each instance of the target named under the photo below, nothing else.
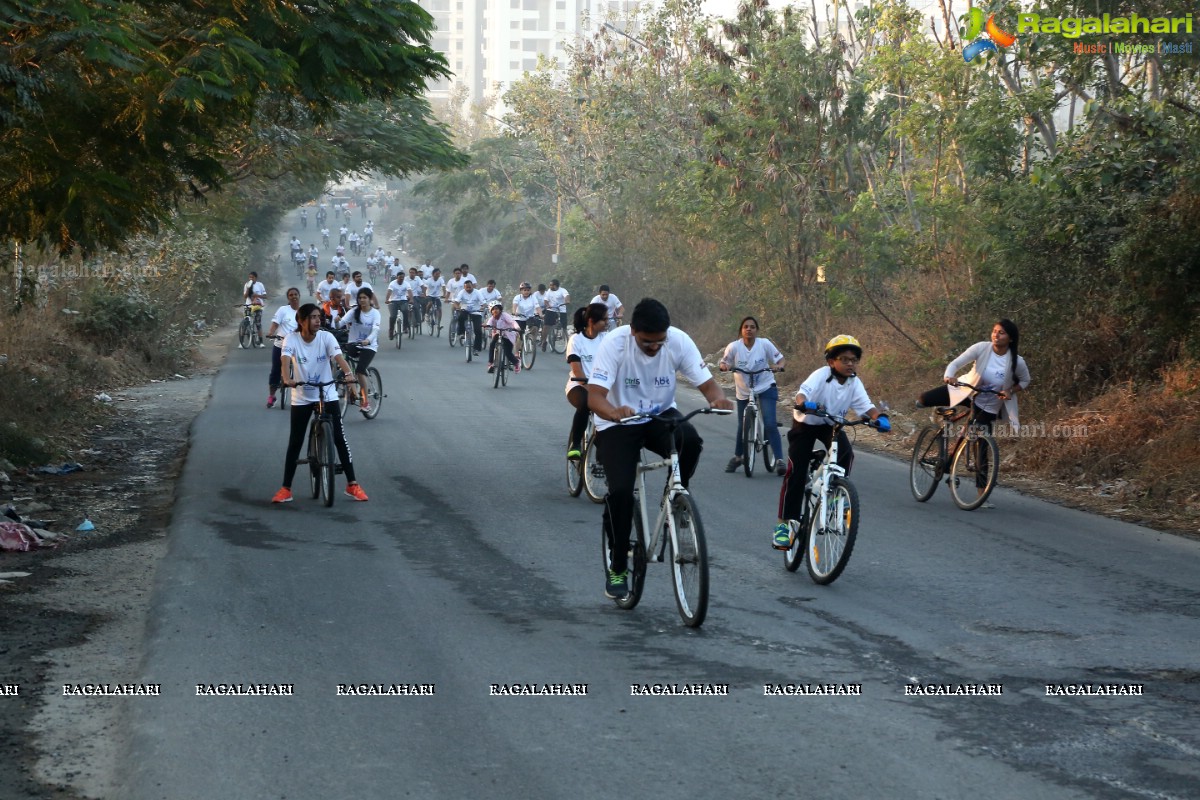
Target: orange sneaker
(284, 495)
(355, 491)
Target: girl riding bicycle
(591, 323)
(752, 353)
(834, 388)
(995, 365)
(363, 324)
(308, 357)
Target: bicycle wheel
(558, 341)
(793, 557)
(374, 393)
(498, 366)
(593, 473)
(314, 460)
(831, 539)
(925, 469)
(452, 329)
(574, 473)
(327, 463)
(431, 320)
(347, 395)
(283, 397)
(636, 561)
(528, 349)
(244, 333)
(748, 453)
(399, 338)
(689, 561)
(469, 340)
(413, 324)
(973, 471)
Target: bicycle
(585, 472)
(754, 437)
(349, 393)
(468, 337)
(434, 318)
(283, 392)
(556, 335)
(411, 317)
(677, 524)
(529, 342)
(829, 520)
(500, 365)
(250, 330)
(971, 466)
(321, 460)
(452, 328)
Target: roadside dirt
(82, 609)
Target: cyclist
(358, 284)
(615, 310)
(363, 342)
(507, 327)
(255, 296)
(324, 236)
(634, 371)
(325, 286)
(313, 254)
(995, 365)
(451, 290)
(334, 307)
(591, 323)
(308, 357)
(557, 300)
(752, 353)
(310, 280)
(435, 285)
(283, 323)
(304, 218)
(467, 276)
(413, 286)
(527, 310)
(396, 297)
(834, 388)
(490, 292)
(469, 304)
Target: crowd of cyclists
(614, 373)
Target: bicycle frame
(672, 489)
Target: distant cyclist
(469, 304)
(503, 324)
(615, 310)
(750, 353)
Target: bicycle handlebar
(675, 420)
(842, 421)
(976, 389)
(757, 371)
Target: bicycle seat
(946, 411)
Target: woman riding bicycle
(363, 324)
(308, 357)
(834, 388)
(752, 353)
(591, 323)
(507, 327)
(995, 365)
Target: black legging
(578, 397)
(801, 439)
(300, 416)
(476, 324)
(508, 350)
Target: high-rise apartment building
(490, 44)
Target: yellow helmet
(840, 343)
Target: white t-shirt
(412, 285)
(323, 289)
(396, 292)
(313, 362)
(556, 299)
(453, 287)
(434, 286)
(992, 378)
(426, 270)
(838, 398)
(491, 294)
(471, 277)
(285, 318)
(367, 329)
(258, 289)
(471, 302)
(582, 349)
(525, 307)
(352, 292)
(645, 383)
(613, 302)
(762, 355)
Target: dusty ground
(86, 602)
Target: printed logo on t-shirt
(632, 382)
(662, 380)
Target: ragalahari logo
(983, 37)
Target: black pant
(508, 350)
(578, 397)
(619, 451)
(476, 324)
(801, 439)
(940, 396)
(300, 417)
(276, 368)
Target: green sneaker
(783, 537)
(616, 587)
(574, 454)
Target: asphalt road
(471, 566)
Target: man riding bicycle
(634, 372)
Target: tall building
(490, 44)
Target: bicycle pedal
(302, 462)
